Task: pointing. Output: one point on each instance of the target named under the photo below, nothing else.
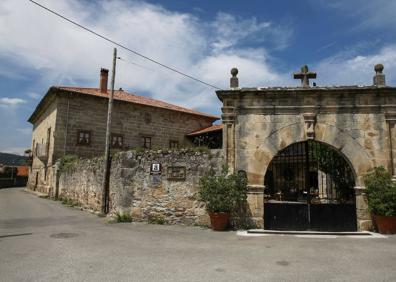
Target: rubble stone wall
(134, 190)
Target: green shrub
(67, 161)
(223, 193)
(380, 191)
(125, 217)
(156, 219)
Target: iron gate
(309, 186)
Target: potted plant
(222, 193)
(381, 197)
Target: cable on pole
(123, 46)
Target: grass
(69, 202)
(156, 219)
(125, 217)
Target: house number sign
(155, 168)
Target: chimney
(104, 75)
(379, 78)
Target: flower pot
(219, 220)
(385, 224)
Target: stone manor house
(72, 120)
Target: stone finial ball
(234, 71)
(379, 68)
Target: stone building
(305, 149)
(72, 120)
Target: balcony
(42, 152)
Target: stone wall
(133, 190)
(132, 121)
(40, 174)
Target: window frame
(89, 137)
(145, 143)
(174, 142)
(113, 135)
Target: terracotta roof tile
(132, 98)
(212, 128)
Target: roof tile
(132, 98)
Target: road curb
(38, 194)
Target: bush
(125, 217)
(156, 219)
(67, 161)
(380, 191)
(223, 193)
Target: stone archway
(356, 121)
(310, 186)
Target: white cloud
(347, 69)
(34, 95)
(230, 31)
(11, 101)
(64, 54)
(369, 13)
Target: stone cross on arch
(304, 75)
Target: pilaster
(391, 121)
(363, 217)
(228, 118)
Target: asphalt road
(41, 240)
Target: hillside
(12, 159)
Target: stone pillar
(228, 118)
(363, 216)
(391, 121)
(255, 199)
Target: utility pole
(107, 160)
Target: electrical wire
(135, 64)
(124, 47)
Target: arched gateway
(309, 186)
(282, 138)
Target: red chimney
(104, 75)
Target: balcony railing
(42, 151)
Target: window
(147, 142)
(173, 144)
(84, 137)
(117, 141)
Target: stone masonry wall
(40, 174)
(133, 190)
(131, 121)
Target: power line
(124, 47)
(135, 64)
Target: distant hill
(12, 159)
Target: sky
(266, 40)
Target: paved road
(41, 240)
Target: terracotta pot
(219, 220)
(385, 224)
